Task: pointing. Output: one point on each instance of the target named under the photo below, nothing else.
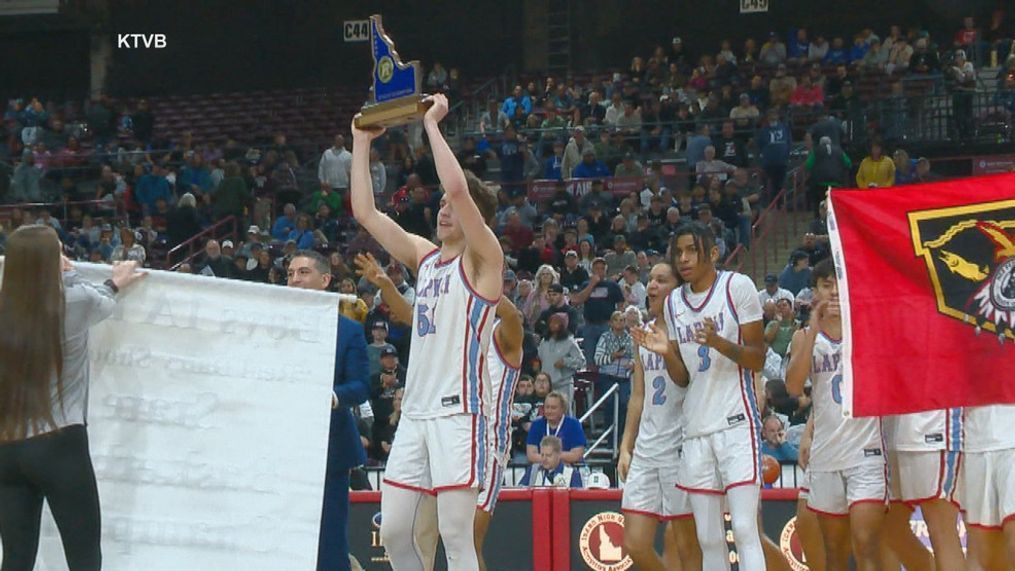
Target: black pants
(55, 467)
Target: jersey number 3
(659, 386)
(706, 361)
(424, 323)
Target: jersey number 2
(706, 361)
(424, 325)
(659, 385)
(837, 389)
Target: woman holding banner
(43, 398)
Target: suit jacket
(345, 450)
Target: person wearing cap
(574, 151)
(558, 304)
(253, 237)
(378, 343)
(573, 276)
(773, 51)
(390, 376)
(228, 248)
(629, 167)
(772, 291)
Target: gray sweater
(551, 350)
(86, 304)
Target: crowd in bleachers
(577, 255)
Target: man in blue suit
(310, 270)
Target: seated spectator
(303, 234)
(797, 274)
(552, 166)
(781, 87)
(711, 167)
(214, 263)
(905, 168)
(556, 422)
(356, 310)
(284, 224)
(517, 100)
(549, 471)
(837, 54)
(262, 271)
(494, 119)
(807, 96)
(524, 410)
(128, 249)
(818, 49)
(858, 51)
(773, 51)
(899, 57)
(590, 167)
(378, 343)
(384, 432)
(559, 353)
(629, 167)
(390, 377)
(779, 333)
(774, 443)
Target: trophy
(396, 97)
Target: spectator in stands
(557, 304)
(837, 54)
(614, 359)
(772, 291)
(774, 141)
(378, 343)
(858, 51)
(517, 100)
(552, 167)
(384, 433)
(710, 167)
(828, 166)
(574, 276)
(806, 97)
(437, 79)
(614, 110)
(590, 167)
(284, 224)
(151, 187)
(326, 196)
(818, 49)
(923, 172)
(378, 174)
(998, 35)
(183, 221)
(924, 61)
(620, 258)
(303, 234)
(128, 249)
(799, 47)
(334, 166)
(261, 272)
(774, 442)
(26, 184)
(559, 353)
(876, 170)
(781, 87)
(550, 471)
(214, 263)
(779, 332)
(905, 168)
(539, 299)
(232, 198)
(797, 274)
(773, 51)
(494, 119)
(390, 377)
(600, 297)
(899, 57)
(194, 176)
(968, 39)
(555, 421)
(143, 122)
(629, 167)
(963, 84)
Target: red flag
(927, 286)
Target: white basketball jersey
(839, 442)
(989, 428)
(924, 431)
(721, 394)
(503, 378)
(660, 433)
(451, 330)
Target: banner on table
(208, 420)
(927, 284)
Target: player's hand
(365, 136)
(818, 312)
(65, 263)
(595, 279)
(367, 267)
(623, 464)
(707, 335)
(386, 446)
(654, 339)
(438, 108)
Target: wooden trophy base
(393, 113)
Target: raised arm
(483, 250)
(800, 350)
(511, 331)
(407, 248)
(367, 266)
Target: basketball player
(440, 448)
(807, 526)
(988, 485)
(649, 451)
(847, 467)
(713, 325)
(924, 455)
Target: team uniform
(503, 378)
(848, 463)
(441, 439)
(721, 422)
(651, 486)
(925, 455)
(987, 476)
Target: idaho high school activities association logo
(970, 256)
(789, 544)
(601, 543)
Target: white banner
(356, 30)
(208, 420)
(753, 6)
